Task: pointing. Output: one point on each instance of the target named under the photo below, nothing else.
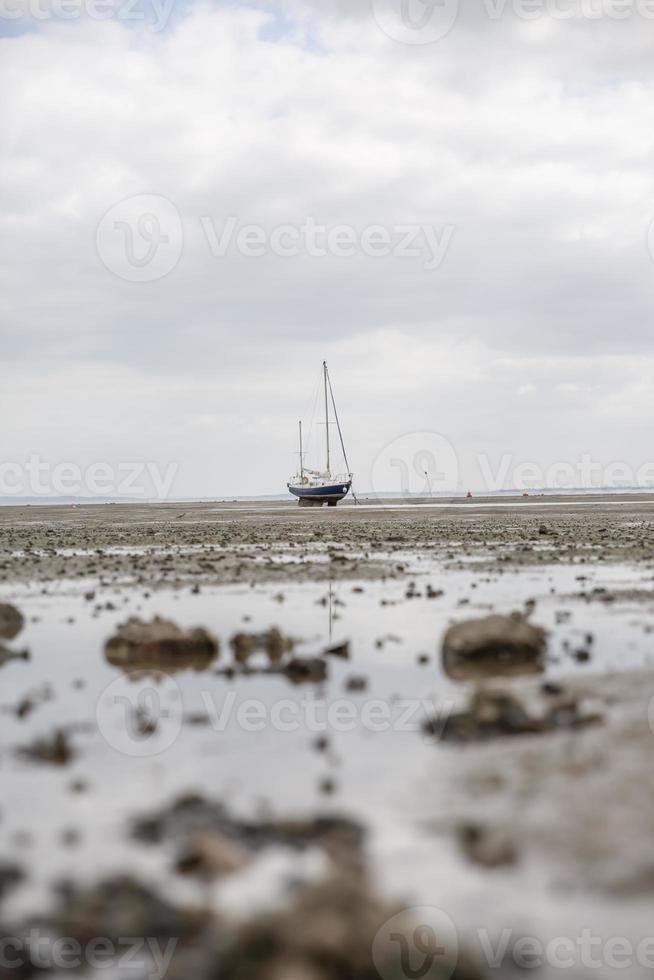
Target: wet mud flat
(268, 742)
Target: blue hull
(322, 495)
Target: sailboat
(314, 487)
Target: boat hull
(328, 494)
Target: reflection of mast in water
(331, 614)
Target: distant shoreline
(366, 499)
(172, 510)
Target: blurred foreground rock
(138, 645)
(493, 646)
(211, 842)
(497, 714)
(11, 621)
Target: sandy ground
(219, 543)
(546, 834)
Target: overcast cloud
(512, 159)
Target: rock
(55, 749)
(493, 646)
(30, 701)
(356, 683)
(276, 644)
(122, 906)
(496, 714)
(6, 654)
(332, 932)
(490, 847)
(211, 854)
(138, 645)
(212, 843)
(243, 645)
(11, 621)
(327, 933)
(341, 650)
(272, 642)
(306, 670)
(11, 875)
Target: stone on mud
(272, 642)
(493, 646)
(55, 749)
(11, 621)
(497, 714)
(160, 644)
(212, 854)
(490, 847)
(306, 670)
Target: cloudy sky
(451, 204)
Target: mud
(179, 545)
(264, 732)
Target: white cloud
(531, 140)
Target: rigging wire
(340, 434)
(308, 451)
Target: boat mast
(338, 425)
(324, 368)
(301, 453)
